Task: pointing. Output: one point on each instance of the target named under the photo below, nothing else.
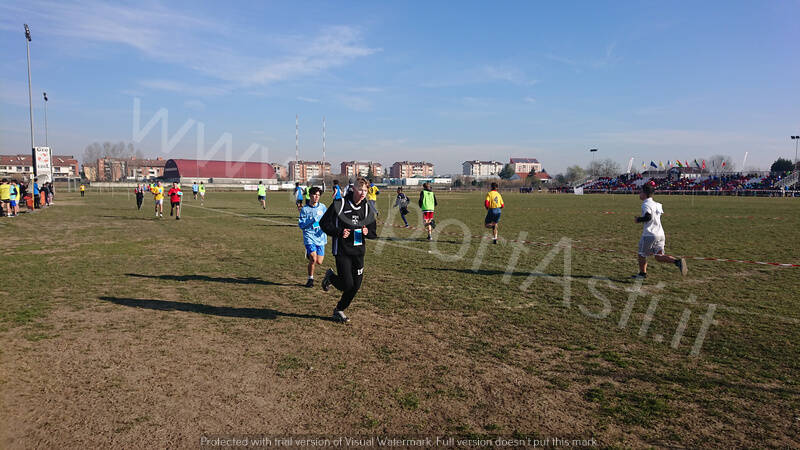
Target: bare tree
(604, 168)
(715, 164)
(97, 151)
(575, 173)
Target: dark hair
(494, 186)
(297, 184)
(335, 181)
(314, 190)
(648, 189)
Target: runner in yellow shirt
(158, 197)
(372, 196)
(494, 206)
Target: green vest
(262, 190)
(202, 188)
(427, 201)
(306, 195)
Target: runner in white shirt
(653, 239)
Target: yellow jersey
(494, 200)
(158, 192)
(372, 193)
(5, 191)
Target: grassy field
(118, 329)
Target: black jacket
(341, 215)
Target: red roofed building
(177, 169)
(63, 166)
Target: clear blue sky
(439, 81)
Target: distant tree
(715, 164)
(507, 172)
(535, 182)
(781, 165)
(604, 168)
(560, 179)
(457, 182)
(575, 173)
(97, 151)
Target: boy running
(653, 239)
(139, 191)
(262, 194)
(298, 196)
(427, 202)
(494, 206)
(83, 189)
(372, 197)
(202, 191)
(402, 202)
(14, 196)
(195, 188)
(175, 195)
(348, 221)
(158, 197)
(337, 190)
(313, 237)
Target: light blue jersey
(309, 223)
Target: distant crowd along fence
(720, 193)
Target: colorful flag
(696, 163)
(704, 164)
(679, 163)
(653, 163)
(723, 163)
(686, 163)
(661, 164)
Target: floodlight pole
(796, 140)
(593, 151)
(44, 94)
(30, 105)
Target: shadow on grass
(222, 311)
(247, 280)
(525, 274)
(419, 239)
(148, 217)
(278, 225)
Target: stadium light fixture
(796, 140)
(30, 102)
(45, 119)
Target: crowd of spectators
(721, 183)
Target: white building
(482, 169)
(523, 166)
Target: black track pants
(350, 272)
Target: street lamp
(30, 103)
(796, 140)
(45, 119)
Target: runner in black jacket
(348, 221)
